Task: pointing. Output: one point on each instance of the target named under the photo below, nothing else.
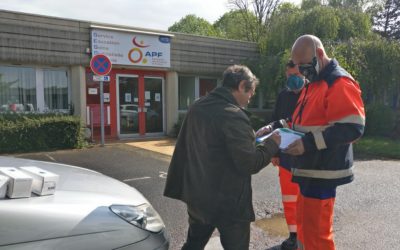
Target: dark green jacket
(214, 158)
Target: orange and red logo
(135, 55)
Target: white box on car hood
(44, 182)
(19, 185)
(3, 186)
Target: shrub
(177, 126)
(380, 120)
(38, 132)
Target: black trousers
(234, 235)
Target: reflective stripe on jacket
(331, 113)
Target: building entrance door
(140, 105)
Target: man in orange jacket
(331, 113)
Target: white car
(130, 112)
(87, 211)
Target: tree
(233, 25)
(261, 9)
(353, 24)
(387, 21)
(309, 4)
(285, 27)
(192, 24)
(375, 63)
(331, 25)
(355, 5)
(334, 26)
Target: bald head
(309, 55)
(305, 48)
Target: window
(28, 89)
(207, 85)
(17, 89)
(193, 87)
(55, 89)
(187, 93)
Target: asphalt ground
(367, 212)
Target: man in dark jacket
(214, 158)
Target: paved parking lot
(366, 212)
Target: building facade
(156, 75)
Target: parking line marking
(136, 179)
(51, 158)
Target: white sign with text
(132, 48)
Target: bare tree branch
(262, 9)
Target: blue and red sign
(100, 65)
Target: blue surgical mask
(295, 82)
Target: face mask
(294, 82)
(311, 70)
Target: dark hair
(234, 74)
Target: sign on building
(132, 48)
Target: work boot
(290, 243)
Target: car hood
(79, 206)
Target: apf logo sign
(135, 55)
(133, 49)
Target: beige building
(156, 75)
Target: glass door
(128, 104)
(153, 106)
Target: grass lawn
(380, 147)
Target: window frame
(196, 86)
(39, 81)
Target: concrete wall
(208, 56)
(78, 95)
(33, 39)
(171, 100)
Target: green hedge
(381, 120)
(39, 132)
(373, 146)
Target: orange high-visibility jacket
(331, 112)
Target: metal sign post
(101, 66)
(102, 112)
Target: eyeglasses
(304, 68)
(290, 64)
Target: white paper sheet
(128, 97)
(157, 97)
(147, 95)
(287, 136)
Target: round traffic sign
(100, 65)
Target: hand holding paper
(295, 148)
(288, 136)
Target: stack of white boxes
(44, 182)
(3, 186)
(20, 183)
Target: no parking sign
(101, 65)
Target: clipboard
(287, 136)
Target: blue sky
(153, 14)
